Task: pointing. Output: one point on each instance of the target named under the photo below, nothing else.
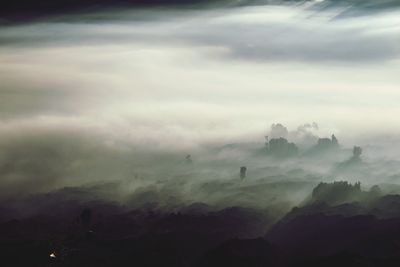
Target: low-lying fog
(115, 102)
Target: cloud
(249, 33)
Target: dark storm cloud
(21, 10)
(283, 39)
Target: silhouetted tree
(281, 147)
(336, 192)
(335, 142)
(357, 151)
(375, 191)
(243, 170)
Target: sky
(190, 77)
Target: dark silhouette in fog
(337, 192)
(357, 151)
(243, 171)
(280, 147)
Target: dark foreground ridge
(339, 225)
